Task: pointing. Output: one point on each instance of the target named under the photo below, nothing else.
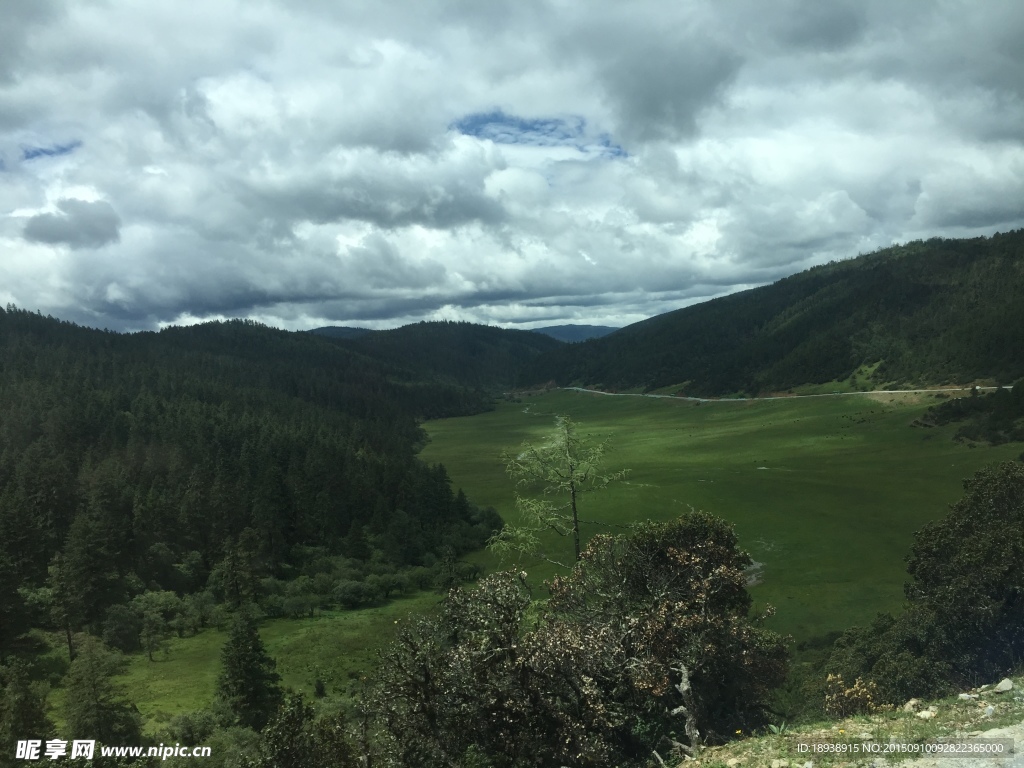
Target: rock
(967, 696)
(733, 762)
(865, 737)
(989, 711)
(1006, 684)
(912, 705)
(926, 714)
(780, 763)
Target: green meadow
(339, 647)
(825, 492)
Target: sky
(311, 162)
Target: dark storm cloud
(20, 21)
(508, 163)
(817, 26)
(659, 91)
(79, 224)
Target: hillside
(478, 356)
(155, 461)
(925, 312)
(573, 333)
(340, 331)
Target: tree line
(994, 417)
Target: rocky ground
(990, 712)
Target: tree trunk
(687, 710)
(71, 644)
(575, 521)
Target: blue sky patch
(31, 153)
(538, 132)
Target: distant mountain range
(341, 332)
(927, 312)
(478, 356)
(573, 333)
(932, 311)
(567, 333)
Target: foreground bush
(645, 646)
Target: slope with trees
(478, 356)
(926, 312)
(142, 474)
(574, 333)
(994, 417)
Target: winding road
(779, 397)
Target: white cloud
(532, 163)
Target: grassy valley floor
(339, 647)
(825, 492)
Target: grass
(825, 492)
(338, 646)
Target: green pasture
(339, 646)
(826, 492)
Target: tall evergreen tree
(95, 704)
(13, 616)
(22, 711)
(248, 687)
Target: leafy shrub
(861, 698)
(121, 628)
(354, 594)
(647, 639)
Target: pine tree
(22, 710)
(95, 705)
(13, 615)
(248, 687)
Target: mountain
(572, 333)
(925, 312)
(340, 332)
(478, 356)
(154, 456)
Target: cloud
(78, 224)
(524, 163)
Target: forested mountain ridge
(927, 312)
(340, 331)
(207, 457)
(573, 333)
(478, 356)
